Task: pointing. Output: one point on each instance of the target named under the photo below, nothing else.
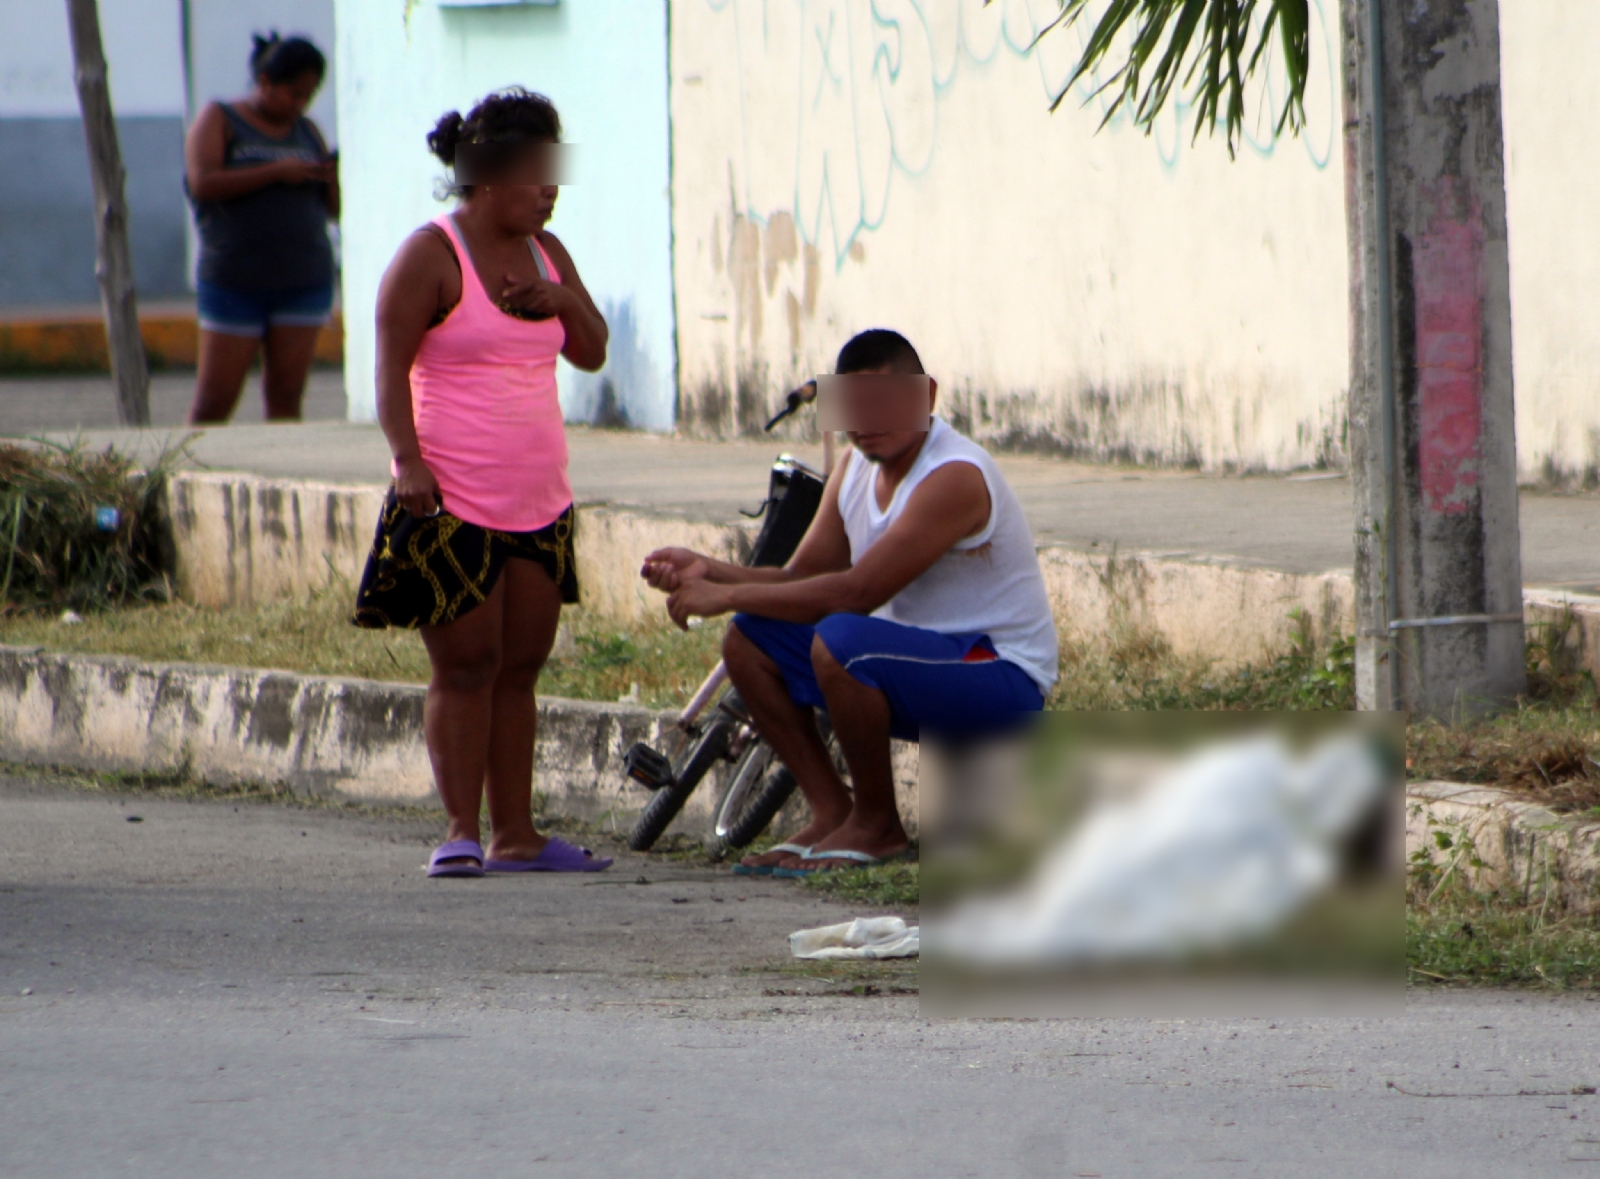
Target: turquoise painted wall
(604, 64)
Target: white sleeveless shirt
(989, 583)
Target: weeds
(885, 886)
(1547, 747)
(79, 529)
(1134, 669)
(1495, 940)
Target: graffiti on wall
(856, 87)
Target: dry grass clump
(1547, 747)
(79, 529)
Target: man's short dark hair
(879, 348)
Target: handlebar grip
(792, 402)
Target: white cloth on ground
(865, 937)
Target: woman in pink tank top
(475, 542)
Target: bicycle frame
(719, 674)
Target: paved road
(1297, 523)
(267, 991)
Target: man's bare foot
(522, 849)
(805, 837)
(879, 842)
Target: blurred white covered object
(1224, 847)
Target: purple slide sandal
(558, 856)
(456, 849)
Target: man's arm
(948, 506)
(823, 549)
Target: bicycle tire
(763, 808)
(670, 800)
(748, 776)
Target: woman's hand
(669, 569)
(416, 488)
(697, 597)
(303, 171)
(535, 297)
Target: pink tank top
(483, 391)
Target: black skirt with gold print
(432, 570)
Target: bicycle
(758, 788)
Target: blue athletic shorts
(249, 313)
(949, 686)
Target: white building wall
(603, 63)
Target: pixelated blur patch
(1167, 864)
(871, 402)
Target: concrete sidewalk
(1292, 523)
(1297, 524)
(67, 404)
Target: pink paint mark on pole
(1448, 272)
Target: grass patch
(1546, 747)
(1131, 669)
(883, 886)
(1489, 940)
(314, 636)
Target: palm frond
(1202, 47)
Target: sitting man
(913, 606)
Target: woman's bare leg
(225, 361)
(290, 350)
(532, 611)
(466, 656)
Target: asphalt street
(253, 989)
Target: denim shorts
(250, 313)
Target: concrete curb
(321, 736)
(1496, 840)
(75, 338)
(240, 539)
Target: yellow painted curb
(78, 341)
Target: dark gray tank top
(273, 239)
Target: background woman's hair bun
(279, 59)
(444, 137)
(261, 46)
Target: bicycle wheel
(669, 800)
(762, 807)
(744, 785)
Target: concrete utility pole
(113, 266)
(1433, 452)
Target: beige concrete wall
(844, 165)
(1552, 172)
(840, 165)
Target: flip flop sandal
(557, 856)
(854, 859)
(768, 869)
(456, 849)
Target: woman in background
(475, 542)
(263, 185)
